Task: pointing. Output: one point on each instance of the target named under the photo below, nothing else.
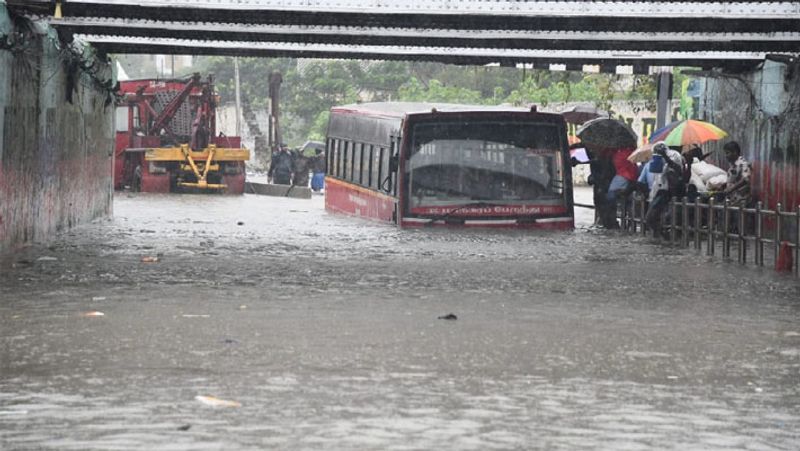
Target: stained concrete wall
(55, 155)
(761, 110)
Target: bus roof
(402, 109)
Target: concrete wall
(55, 155)
(760, 110)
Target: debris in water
(95, 313)
(185, 427)
(216, 402)
(98, 298)
(197, 316)
(449, 317)
(46, 259)
(149, 259)
(240, 223)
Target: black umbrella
(579, 114)
(607, 133)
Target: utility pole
(238, 96)
(663, 98)
(275, 80)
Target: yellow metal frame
(188, 159)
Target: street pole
(664, 96)
(238, 96)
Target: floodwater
(322, 332)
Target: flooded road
(266, 323)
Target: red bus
(419, 164)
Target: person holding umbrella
(666, 178)
(611, 142)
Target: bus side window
(340, 163)
(331, 156)
(350, 150)
(380, 167)
(371, 168)
(345, 159)
(358, 158)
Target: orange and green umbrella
(689, 131)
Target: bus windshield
(501, 162)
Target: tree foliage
(311, 87)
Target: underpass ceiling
(700, 33)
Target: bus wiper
(445, 216)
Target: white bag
(717, 182)
(695, 180)
(706, 171)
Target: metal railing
(717, 227)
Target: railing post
(697, 232)
(742, 241)
(642, 210)
(632, 214)
(726, 224)
(710, 235)
(759, 250)
(623, 216)
(684, 224)
(778, 224)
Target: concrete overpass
(606, 33)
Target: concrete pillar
(663, 99)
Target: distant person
(602, 172)
(737, 190)
(302, 166)
(281, 167)
(625, 175)
(318, 170)
(696, 152)
(667, 170)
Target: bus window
(371, 176)
(345, 147)
(357, 154)
(382, 162)
(330, 155)
(498, 162)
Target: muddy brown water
(323, 331)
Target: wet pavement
(323, 333)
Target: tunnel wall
(761, 110)
(56, 135)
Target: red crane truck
(167, 139)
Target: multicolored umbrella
(689, 131)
